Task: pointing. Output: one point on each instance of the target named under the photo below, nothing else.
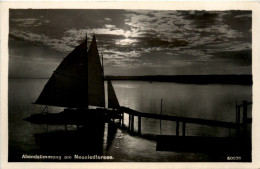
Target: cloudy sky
(133, 42)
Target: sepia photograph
(130, 85)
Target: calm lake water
(214, 102)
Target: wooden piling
(244, 111)
(236, 107)
(122, 120)
(238, 121)
(129, 122)
(183, 128)
(161, 119)
(139, 124)
(177, 128)
(238, 114)
(132, 123)
(244, 117)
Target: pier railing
(245, 119)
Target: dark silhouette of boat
(77, 84)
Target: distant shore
(186, 79)
(191, 79)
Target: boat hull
(70, 117)
(74, 117)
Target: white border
(254, 6)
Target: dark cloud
(149, 42)
(240, 21)
(201, 19)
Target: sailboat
(78, 84)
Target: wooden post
(65, 127)
(244, 111)
(132, 123)
(129, 122)
(245, 117)
(183, 128)
(160, 118)
(238, 120)
(238, 114)
(139, 124)
(177, 128)
(122, 119)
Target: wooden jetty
(185, 120)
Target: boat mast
(86, 66)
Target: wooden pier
(184, 120)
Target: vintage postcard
(118, 82)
